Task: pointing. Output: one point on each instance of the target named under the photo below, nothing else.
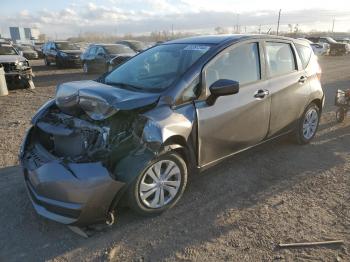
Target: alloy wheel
(160, 184)
(310, 123)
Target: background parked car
(105, 57)
(38, 48)
(345, 41)
(16, 67)
(27, 51)
(137, 46)
(335, 47)
(319, 48)
(62, 53)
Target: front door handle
(302, 79)
(261, 93)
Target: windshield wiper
(133, 87)
(126, 85)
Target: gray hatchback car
(132, 136)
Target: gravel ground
(236, 211)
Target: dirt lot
(237, 211)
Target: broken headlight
(21, 64)
(95, 108)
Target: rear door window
(305, 53)
(280, 58)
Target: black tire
(340, 115)
(300, 137)
(134, 199)
(58, 63)
(47, 63)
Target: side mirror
(222, 87)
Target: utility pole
(172, 30)
(333, 25)
(259, 29)
(237, 25)
(278, 22)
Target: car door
(100, 59)
(48, 52)
(238, 121)
(90, 58)
(288, 86)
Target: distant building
(20, 34)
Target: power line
(278, 22)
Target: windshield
(157, 68)
(137, 45)
(118, 49)
(331, 40)
(66, 46)
(25, 48)
(7, 50)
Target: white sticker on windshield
(203, 48)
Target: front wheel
(160, 186)
(340, 115)
(308, 124)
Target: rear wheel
(58, 63)
(160, 186)
(308, 124)
(340, 115)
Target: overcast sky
(64, 18)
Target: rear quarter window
(304, 53)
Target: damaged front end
(77, 155)
(17, 72)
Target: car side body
(80, 163)
(62, 54)
(105, 57)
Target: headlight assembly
(63, 54)
(95, 108)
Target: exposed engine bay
(80, 139)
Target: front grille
(9, 67)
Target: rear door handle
(302, 79)
(261, 93)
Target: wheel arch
(317, 102)
(179, 144)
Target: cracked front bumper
(69, 193)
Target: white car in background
(319, 49)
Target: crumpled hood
(11, 58)
(69, 94)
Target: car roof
(221, 39)
(107, 45)
(131, 41)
